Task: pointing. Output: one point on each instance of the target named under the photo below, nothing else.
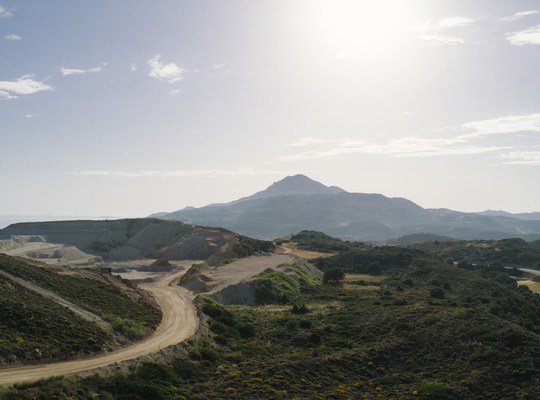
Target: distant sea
(6, 220)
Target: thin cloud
(13, 37)
(525, 37)
(518, 15)
(437, 31)
(5, 13)
(522, 158)
(77, 71)
(169, 73)
(404, 147)
(307, 141)
(25, 85)
(30, 116)
(510, 124)
(449, 40)
(220, 65)
(180, 173)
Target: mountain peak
(296, 185)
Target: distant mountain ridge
(299, 203)
(532, 216)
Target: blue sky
(127, 107)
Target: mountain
(299, 203)
(533, 216)
(293, 185)
(138, 238)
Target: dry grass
(305, 254)
(362, 282)
(364, 277)
(532, 285)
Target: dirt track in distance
(242, 269)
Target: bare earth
(179, 323)
(242, 269)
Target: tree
(334, 275)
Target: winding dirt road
(179, 323)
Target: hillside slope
(412, 328)
(138, 238)
(37, 325)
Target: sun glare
(347, 28)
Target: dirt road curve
(179, 323)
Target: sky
(126, 108)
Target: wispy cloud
(438, 30)
(403, 147)
(470, 143)
(518, 15)
(307, 141)
(510, 124)
(25, 85)
(522, 158)
(30, 116)
(13, 37)
(181, 173)
(77, 71)
(164, 72)
(5, 13)
(528, 36)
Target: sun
(349, 27)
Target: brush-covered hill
(299, 203)
(102, 312)
(138, 238)
(403, 324)
(506, 252)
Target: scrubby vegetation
(33, 328)
(318, 241)
(506, 252)
(247, 246)
(422, 329)
(133, 319)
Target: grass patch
(531, 284)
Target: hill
(533, 216)
(413, 328)
(506, 252)
(299, 203)
(55, 313)
(138, 238)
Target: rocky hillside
(138, 238)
